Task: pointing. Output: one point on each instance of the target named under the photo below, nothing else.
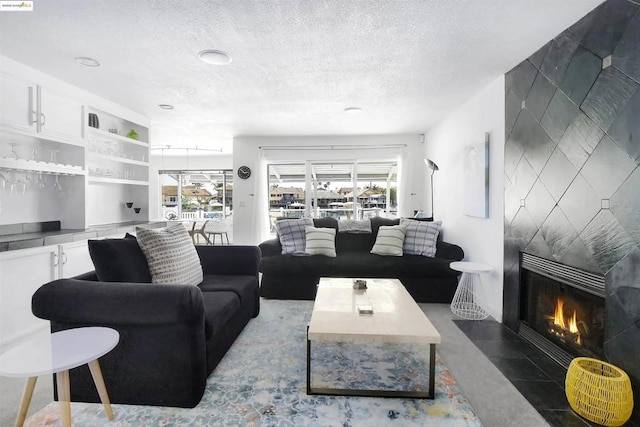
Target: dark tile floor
(536, 376)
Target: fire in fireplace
(562, 307)
(566, 329)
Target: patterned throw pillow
(171, 255)
(321, 241)
(421, 237)
(291, 233)
(389, 240)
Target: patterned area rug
(262, 382)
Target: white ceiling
(296, 64)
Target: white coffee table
(396, 318)
(55, 354)
(467, 300)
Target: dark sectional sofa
(295, 277)
(171, 336)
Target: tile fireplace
(562, 309)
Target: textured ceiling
(296, 64)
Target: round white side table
(467, 299)
(55, 354)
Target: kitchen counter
(22, 236)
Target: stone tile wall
(572, 156)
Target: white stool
(467, 299)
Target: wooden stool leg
(96, 373)
(64, 397)
(26, 400)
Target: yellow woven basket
(599, 391)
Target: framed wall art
(476, 179)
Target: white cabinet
(60, 116)
(17, 103)
(31, 109)
(74, 259)
(22, 272)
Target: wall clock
(244, 172)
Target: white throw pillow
(321, 241)
(421, 237)
(291, 233)
(171, 255)
(389, 240)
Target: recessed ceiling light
(353, 110)
(215, 57)
(89, 62)
(166, 106)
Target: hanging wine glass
(18, 183)
(4, 181)
(54, 156)
(13, 154)
(42, 181)
(57, 185)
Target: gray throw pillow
(421, 237)
(292, 234)
(171, 255)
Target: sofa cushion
(291, 233)
(171, 255)
(219, 307)
(389, 240)
(320, 241)
(353, 242)
(421, 237)
(421, 266)
(119, 260)
(326, 222)
(291, 265)
(363, 264)
(243, 286)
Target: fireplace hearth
(562, 309)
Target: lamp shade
(431, 164)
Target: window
(331, 190)
(190, 195)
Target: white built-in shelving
(117, 168)
(65, 169)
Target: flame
(558, 319)
(558, 316)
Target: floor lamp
(431, 165)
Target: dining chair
(220, 228)
(195, 233)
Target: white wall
(163, 161)
(482, 239)
(250, 202)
